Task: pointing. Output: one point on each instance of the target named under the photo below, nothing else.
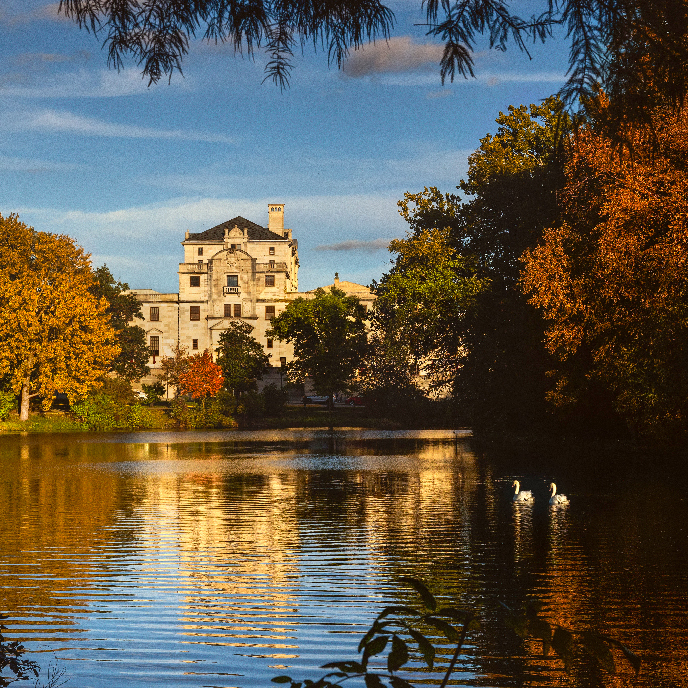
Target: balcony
(230, 290)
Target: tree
(422, 301)
(241, 358)
(512, 185)
(132, 361)
(202, 378)
(454, 296)
(54, 334)
(329, 337)
(171, 367)
(616, 43)
(610, 278)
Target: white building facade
(236, 270)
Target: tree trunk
(24, 406)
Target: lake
(223, 559)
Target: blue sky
(125, 169)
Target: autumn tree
(611, 278)
(202, 378)
(54, 334)
(123, 308)
(241, 357)
(329, 337)
(171, 367)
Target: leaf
(631, 657)
(373, 681)
(374, 647)
(428, 598)
(398, 682)
(562, 642)
(399, 654)
(281, 679)
(518, 623)
(541, 629)
(397, 610)
(349, 666)
(426, 648)
(449, 631)
(599, 649)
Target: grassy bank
(291, 417)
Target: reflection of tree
(264, 550)
(55, 515)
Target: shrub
(154, 393)
(8, 401)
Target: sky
(125, 168)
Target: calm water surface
(224, 559)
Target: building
(236, 270)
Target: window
(269, 312)
(269, 280)
(232, 280)
(234, 247)
(155, 313)
(194, 313)
(200, 251)
(154, 346)
(200, 265)
(194, 344)
(271, 250)
(286, 235)
(237, 310)
(269, 344)
(271, 265)
(228, 310)
(194, 280)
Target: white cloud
(355, 245)
(80, 83)
(10, 164)
(16, 14)
(55, 122)
(398, 54)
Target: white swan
(557, 498)
(521, 495)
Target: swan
(557, 498)
(521, 495)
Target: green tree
(241, 358)
(512, 185)
(454, 296)
(420, 304)
(54, 334)
(329, 337)
(132, 361)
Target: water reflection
(226, 562)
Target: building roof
(255, 232)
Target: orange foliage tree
(611, 278)
(202, 377)
(55, 335)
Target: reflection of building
(236, 270)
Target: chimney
(276, 218)
(186, 235)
